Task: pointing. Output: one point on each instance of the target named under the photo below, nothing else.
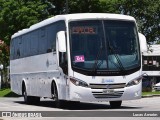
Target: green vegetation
(19, 14)
(151, 93)
(7, 93)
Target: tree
(19, 14)
(109, 6)
(57, 7)
(147, 13)
(84, 6)
(14, 16)
(75, 6)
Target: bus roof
(77, 16)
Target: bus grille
(107, 90)
(107, 86)
(116, 94)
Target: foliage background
(19, 14)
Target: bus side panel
(16, 82)
(37, 72)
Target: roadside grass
(151, 93)
(6, 92)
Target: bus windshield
(104, 45)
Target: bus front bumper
(84, 94)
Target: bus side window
(34, 43)
(17, 42)
(51, 38)
(18, 53)
(42, 41)
(12, 49)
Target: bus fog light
(137, 94)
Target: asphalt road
(93, 111)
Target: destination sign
(84, 30)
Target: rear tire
(115, 104)
(30, 99)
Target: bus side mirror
(143, 42)
(61, 39)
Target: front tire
(30, 99)
(58, 103)
(115, 104)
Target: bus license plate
(108, 91)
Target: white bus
(78, 57)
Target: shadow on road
(79, 106)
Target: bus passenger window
(18, 53)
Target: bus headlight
(78, 82)
(134, 82)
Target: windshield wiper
(120, 66)
(96, 64)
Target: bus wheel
(26, 98)
(115, 104)
(30, 99)
(58, 103)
